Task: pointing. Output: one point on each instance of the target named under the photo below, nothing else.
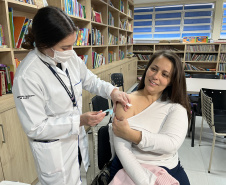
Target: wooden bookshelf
(119, 48)
(14, 165)
(196, 57)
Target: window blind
(223, 28)
(173, 22)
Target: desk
(195, 84)
(193, 87)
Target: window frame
(182, 20)
(223, 24)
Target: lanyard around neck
(70, 94)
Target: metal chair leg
(193, 129)
(211, 156)
(200, 139)
(190, 125)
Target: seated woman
(153, 129)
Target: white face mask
(62, 56)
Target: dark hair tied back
(49, 26)
(29, 40)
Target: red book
(81, 56)
(0, 84)
(11, 77)
(98, 17)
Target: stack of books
(2, 38)
(96, 16)
(19, 27)
(97, 37)
(72, 7)
(111, 56)
(98, 59)
(82, 37)
(6, 79)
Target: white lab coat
(46, 113)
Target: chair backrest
(104, 147)
(209, 76)
(218, 97)
(207, 108)
(117, 80)
(99, 103)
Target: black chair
(103, 156)
(104, 148)
(214, 113)
(101, 139)
(195, 101)
(117, 80)
(99, 103)
(209, 76)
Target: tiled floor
(195, 160)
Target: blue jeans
(178, 172)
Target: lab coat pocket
(49, 156)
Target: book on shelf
(11, 26)
(98, 17)
(18, 23)
(84, 58)
(17, 62)
(112, 40)
(143, 57)
(18, 28)
(223, 48)
(82, 37)
(97, 37)
(2, 37)
(223, 57)
(2, 83)
(27, 1)
(111, 56)
(111, 4)
(21, 38)
(202, 39)
(189, 39)
(121, 55)
(110, 19)
(129, 40)
(121, 6)
(123, 24)
(73, 7)
(201, 57)
(41, 3)
(196, 39)
(201, 47)
(98, 59)
(129, 11)
(8, 81)
(122, 39)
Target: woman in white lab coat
(48, 95)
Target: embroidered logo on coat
(25, 97)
